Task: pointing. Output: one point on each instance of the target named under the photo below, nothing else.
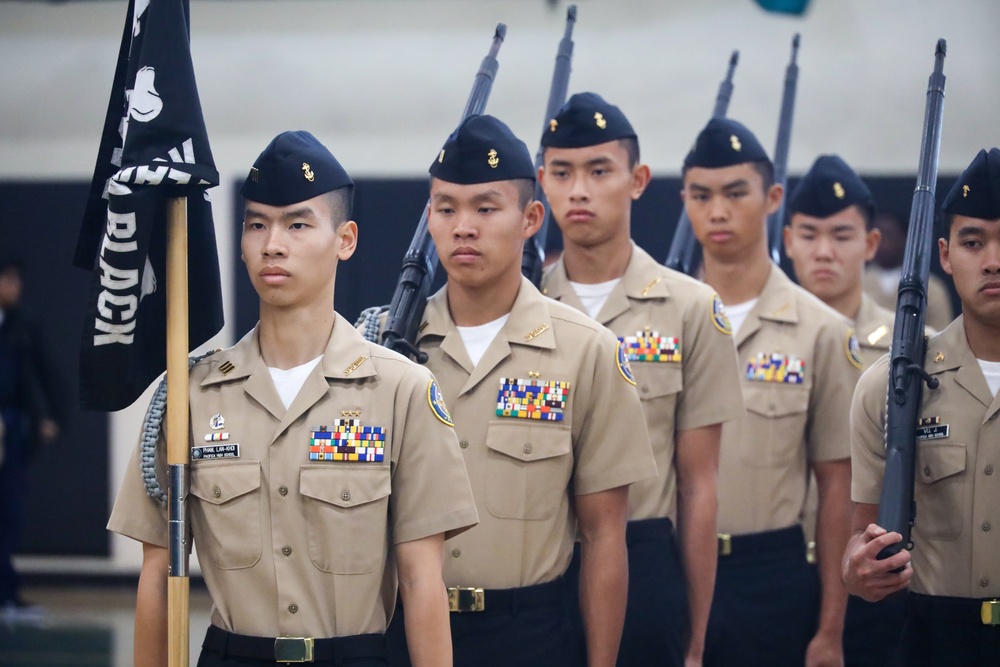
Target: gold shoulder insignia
(354, 366)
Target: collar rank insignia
(532, 399)
(436, 401)
(347, 440)
(646, 346)
(621, 358)
(719, 318)
(853, 349)
(776, 368)
(931, 428)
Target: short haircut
(942, 225)
(341, 202)
(631, 146)
(867, 211)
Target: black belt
(647, 530)
(968, 611)
(293, 649)
(464, 599)
(757, 544)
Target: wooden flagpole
(178, 451)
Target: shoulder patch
(853, 350)
(623, 367)
(436, 401)
(719, 318)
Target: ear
(640, 179)
(787, 239)
(541, 175)
(872, 238)
(944, 254)
(348, 233)
(774, 196)
(534, 214)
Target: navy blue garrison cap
(828, 188)
(482, 150)
(586, 120)
(976, 194)
(723, 143)
(294, 167)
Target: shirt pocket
(940, 489)
(226, 517)
(775, 428)
(346, 512)
(528, 467)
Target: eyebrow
(739, 183)
(489, 195)
(593, 162)
(303, 212)
(970, 231)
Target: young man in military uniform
(801, 362)
(547, 416)
(829, 237)
(680, 347)
(953, 572)
(321, 464)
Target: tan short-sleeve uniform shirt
(292, 539)
(589, 435)
(800, 363)
(873, 327)
(681, 350)
(957, 489)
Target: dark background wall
(69, 482)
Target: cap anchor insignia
(838, 190)
(734, 141)
(599, 120)
(307, 172)
(492, 159)
(965, 191)
(553, 124)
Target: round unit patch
(436, 401)
(719, 318)
(853, 349)
(623, 366)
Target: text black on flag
(154, 146)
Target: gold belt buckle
(293, 649)
(990, 612)
(466, 599)
(725, 544)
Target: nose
(464, 228)
(823, 247)
(274, 244)
(578, 190)
(718, 211)
(991, 259)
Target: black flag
(154, 146)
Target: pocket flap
(771, 399)
(532, 441)
(656, 379)
(345, 487)
(935, 461)
(218, 483)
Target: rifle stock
(685, 252)
(534, 250)
(421, 259)
(897, 510)
(776, 221)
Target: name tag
(933, 432)
(206, 452)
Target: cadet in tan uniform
(680, 347)
(547, 415)
(321, 464)
(801, 362)
(953, 570)
(829, 237)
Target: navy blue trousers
(766, 605)
(13, 484)
(872, 630)
(946, 632)
(520, 636)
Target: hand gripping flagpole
(178, 453)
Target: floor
(83, 625)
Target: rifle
(897, 511)
(421, 259)
(685, 252)
(776, 221)
(534, 250)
